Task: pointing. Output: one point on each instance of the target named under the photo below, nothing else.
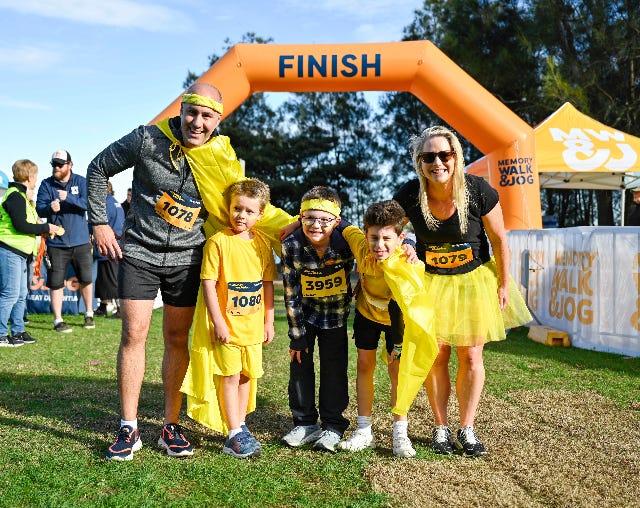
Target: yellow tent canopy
(574, 151)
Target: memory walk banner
(584, 281)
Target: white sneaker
(359, 440)
(402, 447)
(302, 434)
(327, 441)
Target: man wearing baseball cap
(62, 200)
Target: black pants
(334, 387)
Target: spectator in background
(633, 219)
(62, 200)
(107, 277)
(127, 202)
(19, 240)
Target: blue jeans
(13, 292)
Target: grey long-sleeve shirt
(147, 236)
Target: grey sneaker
(469, 443)
(327, 441)
(359, 440)
(256, 442)
(89, 323)
(62, 327)
(442, 441)
(4, 341)
(302, 434)
(402, 447)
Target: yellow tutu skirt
(467, 312)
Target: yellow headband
(200, 100)
(320, 204)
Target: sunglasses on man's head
(430, 157)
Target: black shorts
(178, 285)
(80, 257)
(366, 333)
(106, 287)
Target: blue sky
(79, 74)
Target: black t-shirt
(446, 251)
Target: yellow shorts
(230, 359)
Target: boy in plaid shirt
(317, 264)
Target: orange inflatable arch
(418, 67)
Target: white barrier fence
(584, 281)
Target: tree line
(533, 56)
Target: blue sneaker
(241, 446)
(246, 429)
(173, 441)
(127, 442)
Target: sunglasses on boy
(430, 157)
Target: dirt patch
(546, 448)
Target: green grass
(59, 412)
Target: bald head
(206, 90)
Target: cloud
(27, 58)
(361, 9)
(6, 102)
(119, 13)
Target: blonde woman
(457, 218)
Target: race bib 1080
(244, 298)
(178, 210)
(322, 282)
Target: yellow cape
(419, 345)
(215, 166)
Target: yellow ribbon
(200, 100)
(320, 204)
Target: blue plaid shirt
(325, 312)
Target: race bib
(244, 298)
(322, 282)
(448, 255)
(178, 210)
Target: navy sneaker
(442, 441)
(15, 341)
(241, 446)
(24, 337)
(173, 441)
(127, 441)
(257, 443)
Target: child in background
(317, 264)
(237, 275)
(382, 239)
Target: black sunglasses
(58, 164)
(430, 157)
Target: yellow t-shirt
(240, 266)
(373, 299)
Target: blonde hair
(251, 188)
(23, 169)
(460, 192)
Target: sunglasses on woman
(430, 157)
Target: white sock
(56, 321)
(88, 314)
(364, 423)
(233, 432)
(400, 428)
(131, 423)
